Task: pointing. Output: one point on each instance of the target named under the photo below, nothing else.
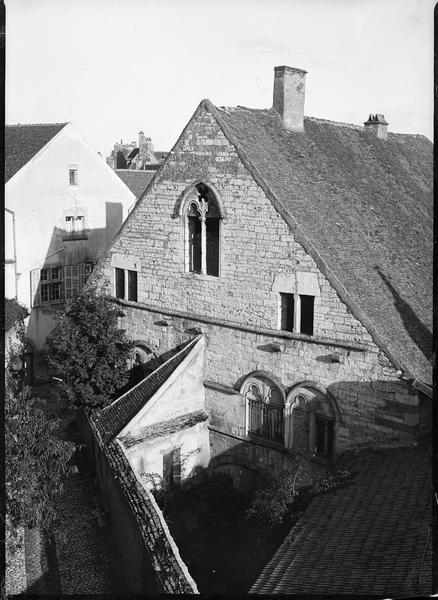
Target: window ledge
(193, 275)
(72, 237)
(274, 446)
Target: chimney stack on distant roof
(289, 93)
(377, 125)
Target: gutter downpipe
(15, 249)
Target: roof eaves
(305, 242)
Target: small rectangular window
(73, 176)
(120, 283)
(307, 304)
(44, 275)
(132, 286)
(79, 223)
(56, 273)
(69, 224)
(287, 312)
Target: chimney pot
(378, 125)
(289, 94)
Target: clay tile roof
(112, 419)
(22, 142)
(136, 181)
(360, 206)
(373, 537)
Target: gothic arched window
(203, 232)
(310, 421)
(264, 407)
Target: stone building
(133, 156)
(301, 249)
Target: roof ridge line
(37, 124)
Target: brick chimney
(289, 92)
(377, 125)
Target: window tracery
(203, 232)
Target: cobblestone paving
(15, 568)
(86, 557)
(80, 556)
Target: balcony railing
(266, 421)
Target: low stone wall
(150, 556)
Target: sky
(115, 67)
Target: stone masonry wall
(256, 244)
(256, 248)
(366, 386)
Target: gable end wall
(257, 247)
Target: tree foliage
(88, 351)
(14, 312)
(275, 503)
(36, 460)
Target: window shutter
(35, 293)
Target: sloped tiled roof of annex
(136, 180)
(362, 207)
(111, 420)
(371, 538)
(22, 142)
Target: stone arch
(185, 198)
(201, 211)
(312, 416)
(246, 476)
(142, 353)
(265, 399)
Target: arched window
(141, 355)
(264, 399)
(203, 231)
(310, 419)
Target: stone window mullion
(297, 313)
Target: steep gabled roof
(372, 538)
(362, 207)
(136, 181)
(112, 419)
(22, 142)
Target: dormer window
(73, 175)
(202, 223)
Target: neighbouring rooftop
(373, 537)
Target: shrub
(36, 461)
(88, 350)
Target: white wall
(182, 393)
(41, 196)
(193, 442)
